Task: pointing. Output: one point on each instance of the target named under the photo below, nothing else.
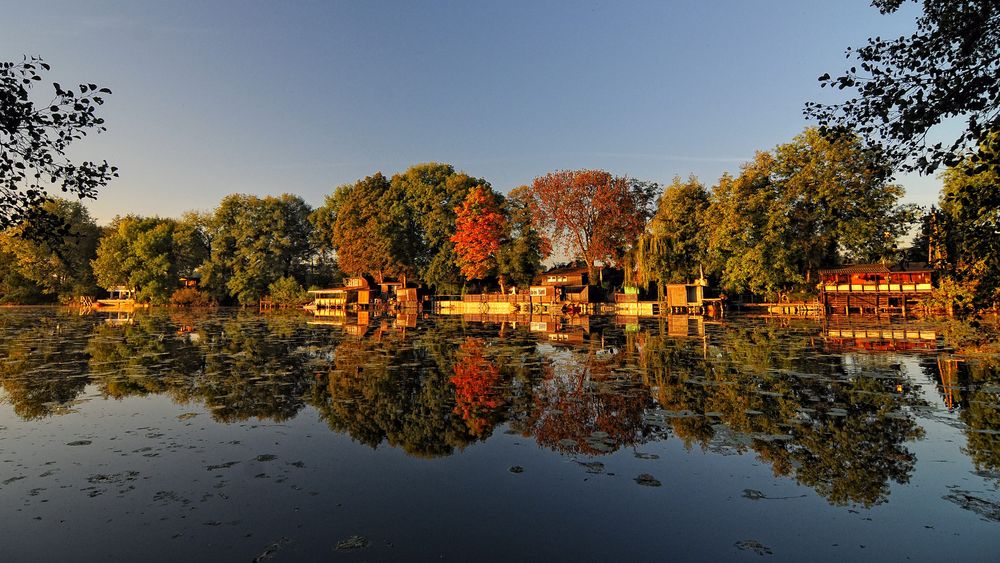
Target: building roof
(879, 268)
(570, 270)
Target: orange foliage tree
(594, 215)
(478, 395)
(480, 227)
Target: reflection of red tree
(577, 401)
(477, 387)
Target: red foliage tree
(594, 215)
(477, 381)
(479, 231)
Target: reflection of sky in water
(219, 439)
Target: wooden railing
(880, 288)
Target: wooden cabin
(874, 287)
(684, 296)
(566, 277)
(571, 285)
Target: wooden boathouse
(874, 288)
(676, 298)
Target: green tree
(674, 247)
(255, 241)
(970, 211)
(521, 254)
(192, 242)
(810, 203)
(35, 136)
(138, 253)
(947, 70)
(432, 191)
(58, 265)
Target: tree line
(812, 203)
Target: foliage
(287, 291)
(948, 68)
(809, 204)
(190, 297)
(970, 212)
(368, 225)
(674, 247)
(478, 388)
(255, 241)
(57, 266)
(138, 253)
(521, 254)
(432, 191)
(34, 139)
(192, 242)
(594, 215)
(480, 228)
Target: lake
(169, 435)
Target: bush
(287, 292)
(190, 297)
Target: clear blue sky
(214, 97)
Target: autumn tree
(35, 136)
(431, 192)
(594, 216)
(368, 224)
(905, 88)
(480, 229)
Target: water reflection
(831, 407)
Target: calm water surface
(171, 435)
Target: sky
(212, 97)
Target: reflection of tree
(971, 386)
(141, 358)
(253, 367)
(239, 367)
(849, 457)
(478, 391)
(396, 391)
(587, 404)
(430, 393)
(42, 369)
(835, 429)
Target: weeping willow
(641, 261)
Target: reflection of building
(881, 338)
(874, 287)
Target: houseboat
(355, 291)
